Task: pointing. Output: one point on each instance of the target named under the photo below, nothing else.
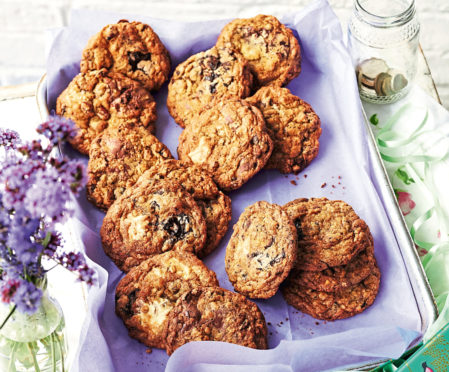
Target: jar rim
(384, 21)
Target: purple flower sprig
(35, 188)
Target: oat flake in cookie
(152, 217)
(229, 140)
(271, 49)
(215, 206)
(148, 292)
(117, 158)
(261, 251)
(215, 314)
(196, 82)
(292, 125)
(96, 100)
(131, 48)
(333, 305)
(329, 232)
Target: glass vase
(33, 342)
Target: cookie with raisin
(117, 158)
(130, 48)
(272, 51)
(215, 314)
(292, 125)
(151, 217)
(96, 100)
(330, 233)
(147, 293)
(228, 139)
(196, 82)
(261, 251)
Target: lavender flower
(57, 129)
(9, 139)
(27, 297)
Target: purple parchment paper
(342, 170)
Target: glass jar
(384, 41)
(31, 343)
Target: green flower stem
(61, 351)
(33, 355)
(9, 316)
(52, 348)
(12, 358)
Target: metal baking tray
(420, 286)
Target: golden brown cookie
(261, 251)
(330, 233)
(215, 206)
(151, 217)
(96, 100)
(131, 48)
(333, 305)
(292, 125)
(338, 277)
(117, 158)
(215, 314)
(271, 49)
(196, 82)
(148, 292)
(230, 140)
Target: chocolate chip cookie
(330, 233)
(151, 217)
(338, 277)
(333, 305)
(215, 206)
(117, 158)
(148, 292)
(196, 82)
(271, 49)
(215, 314)
(230, 140)
(292, 125)
(262, 250)
(95, 100)
(131, 48)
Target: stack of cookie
(231, 135)
(322, 245)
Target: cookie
(117, 158)
(229, 140)
(292, 125)
(334, 305)
(337, 278)
(95, 100)
(261, 251)
(215, 206)
(131, 48)
(330, 233)
(215, 314)
(271, 49)
(145, 296)
(151, 217)
(196, 82)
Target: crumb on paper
(323, 185)
(293, 182)
(149, 351)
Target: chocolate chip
(178, 226)
(298, 229)
(212, 88)
(277, 259)
(128, 307)
(135, 57)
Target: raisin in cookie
(330, 233)
(338, 277)
(131, 48)
(151, 217)
(215, 314)
(148, 292)
(333, 305)
(292, 125)
(230, 140)
(96, 100)
(215, 206)
(271, 49)
(262, 250)
(117, 158)
(217, 72)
